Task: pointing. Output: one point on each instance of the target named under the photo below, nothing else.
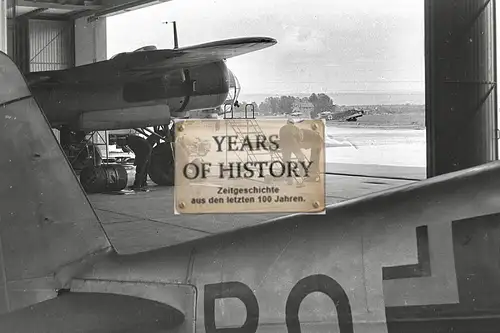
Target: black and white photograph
(236, 166)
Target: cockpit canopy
(144, 48)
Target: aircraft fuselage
(360, 268)
(141, 103)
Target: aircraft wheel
(161, 168)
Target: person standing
(142, 151)
(312, 140)
(290, 138)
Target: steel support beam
(3, 26)
(114, 7)
(461, 94)
(57, 5)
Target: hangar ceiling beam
(461, 84)
(112, 7)
(56, 5)
(32, 13)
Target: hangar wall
(461, 88)
(91, 46)
(47, 44)
(50, 45)
(90, 41)
(57, 44)
(3, 25)
(10, 40)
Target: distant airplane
(141, 89)
(348, 115)
(419, 258)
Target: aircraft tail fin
(47, 226)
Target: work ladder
(251, 128)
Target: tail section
(47, 225)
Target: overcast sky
(323, 45)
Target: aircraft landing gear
(80, 152)
(162, 165)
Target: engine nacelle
(134, 117)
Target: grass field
(407, 116)
(399, 116)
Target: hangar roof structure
(73, 9)
(58, 34)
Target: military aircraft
(141, 89)
(349, 115)
(418, 258)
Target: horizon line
(338, 92)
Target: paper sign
(249, 166)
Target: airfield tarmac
(384, 157)
(380, 146)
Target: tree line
(285, 104)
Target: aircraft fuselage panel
(335, 276)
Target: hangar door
(50, 45)
(10, 40)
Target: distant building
(305, 108)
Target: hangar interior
(461, 102)
(43, 35)
(460, 52)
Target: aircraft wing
(49, 230)
(144, 63)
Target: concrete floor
(145, 220)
